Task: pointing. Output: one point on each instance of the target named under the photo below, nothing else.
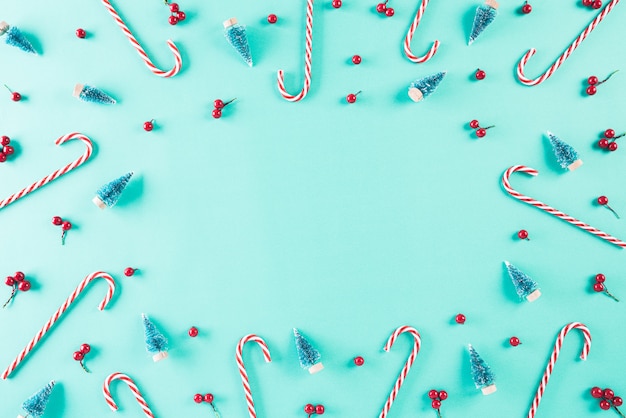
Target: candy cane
(522, 63)
(307, 60)
(409, 37)
(56, 174)
(551, 210)
(178, 63)
(407, 366)
(55, 317)
(553, 358)
(242, 368)
(106, 391)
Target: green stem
(619, 412)
(438, 413)
(610, 75)
(217, 414)
(63, 237)
(83, 366)
(11, 297)
(609, 293)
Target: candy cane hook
(543, 77)
(106, 391)
(307, 60)
(242, 368)
(59, 312)
(551, 210)
(407, 366)
(178, 62)
(56, 174)
(409, 37)
(553, 358)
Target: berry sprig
(17, 282)
(604, 201)
(480, 132)
(317, 409)
(65, 226)
(599, 286)
(382, 8)
(219, 105)
(523, 234)
(6, 148)
(593, 80)
(594, 4)
(460, 319)
(608, 399)
(480, 74)
(177, 15)
(15, 96)
(527, 8)
(436, 399)
(611, 145)
(208, 398)
(351, 98)
(80, 355)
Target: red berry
(474, 124)
(19, 276)
(85, 348)
(173, 20)
(5, 140)
(217, 113)
(81, 33)
(148, 126)
(16, 97)
(593, 80)
(603, 200)
(309, 409)
(381, 7)
(3, 157)
(8, 150)
(10, 281)
(57, 220)
(609, 133)
(603, 143)
(129, 271)
(460, 319)
(181, 15)
(359, 361)
(319, 409)
(197, 398)
(433, 394)
(24, 286)
(78, 356)
(480, 74)
(481, 132)
(193, 332)
(605, 405)
(527, 8)
(436, 404)
(336, 4)
(587, 3)
(272, 18)
(596, 392)
(600, 278)
(608, 393)
(443, 395)
(591, 90)
(66, 226)
(389, 11)
(617, 401)
(514, 341)
(598, 287)
(351, 98)
(219, 104)
(613, 146)
(522, 234)
(597, 4)
(356, 59)
(208, 398)
(174, 7)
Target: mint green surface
(345, 221)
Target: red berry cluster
(80, 355)
(177, 15)
(523, 234)
(480, 74)
(526, 8)
(6, 148)
(480, 132)
(608, 399)
(595, 4)
(337, 4)
(351, 98)
(208, 398)
(599, 286)
(611, 145)
(65, 226)
(594, 83)
(437, 398)
(382, 8)
(15, 96)
(17, 282)
(604, 201)
(317, 409)
(219, 105)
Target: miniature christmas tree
(92, 94)
(36, 404)
(236, 35)
(481, 373)
(524, 285)
(309, 356)
(155, 341)
(424, 87)
(485, 14)
(15, 38)
(109, 194)
(566, 155)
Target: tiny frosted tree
(524, 285)
(425, 86)
(485, 15)
(566, 155)
(236, 36)
(14, 37)
(484, 379)
(92, 94)
(36, 404)
(110, 193)
(309, 357)
(156, 342)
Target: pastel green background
(345, 221)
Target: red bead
(603, 143)
(217, 113)
(8, 149)
(174, 7)
(443, 395)
(522, 234)
(193, 332)
(5, 140)
(593, 80)
(78, 356)
(356, 59)
(319, 409)
(3, 157)
(481, 132)
(19, 276)
(309, 409)
(359, 361)
(272, 18)
(436, 404)
(66, 226)
(600, 278)
(597, 4)
(389, 11)
(514, 341)
(474, 124)
(197, 398)
(596, 392)
(56, 220)
(527, 8)
(351, 98)
(218, 104)
(81, 33)
(433, 394)
(591, 90)
(16, 97)
(617, 401)
(173, 20)
(181, 15)
(480, 74)
(24, 286)
(85, 348)
(603, 200)
(605, 405)
(613, 146)
(10, 281)
(460, 319)
(208, 398)
(608, 393)
(148, 126)
(598, 287)
(336, 4)
(587, 3)
(129, 271)
(381, 7)
(609, 133)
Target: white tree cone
(317, 367)
(230, 22)
(78, 88)
(96, 201)
(488, 390)
(159, 356)
(20, 416)
(415, 94)
(533, 296)
(573, 166)
(492, 3)
(4, 26)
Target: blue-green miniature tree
(485, 15)
(110, 193)
(236, 36)
(524, 285)
(566, 155)
(14, 37)
(156, 342)
(36, 404)
(309, 357)
(92, 94)
(484, 379)
(425, 86)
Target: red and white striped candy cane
(407, 366)
(543, 77)
(553, 358)
(551, 210)
(307, 60)
(56, 174)
(178, 61)
(55, 317)
(242, 368)
(409, 36)
(106, 391)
